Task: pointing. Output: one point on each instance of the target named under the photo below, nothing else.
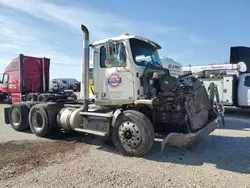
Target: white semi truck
(136, 100)
(232, 79)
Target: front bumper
(182, 140)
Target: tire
(142, 141)
(32, 97)
(43, 97)
(18, 116)
(38, 121)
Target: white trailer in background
(232, 80)
(175, 68)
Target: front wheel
(133, 133)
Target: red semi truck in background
(27, 78)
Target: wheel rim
(37, 121)
(16, 117)
(129, 134)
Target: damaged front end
(182, 110)
(183, 140)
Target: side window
(103, 56)
(1, 78)
(121, 57)
(5, 79)
(247, 81)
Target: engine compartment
(179, 104)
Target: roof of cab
(126, 36)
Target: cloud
(19, 38)
(198, 40)
(21, 35)
(102, 25)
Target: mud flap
(182, 140)
(6, 115)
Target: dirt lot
(221, 160)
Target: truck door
(114, 84)
(4, 84)
(244, 90)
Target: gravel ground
(221, 160)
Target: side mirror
(109, 50)
(110, 53)
(115, 54)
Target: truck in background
(70, 83)
(56, 85)
(232, 79)
(26, 78)
(175, 68)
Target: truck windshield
(144, 53)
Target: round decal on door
(114, 80)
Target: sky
(192, 32)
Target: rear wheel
(133, 133)
(18, 116)
(38, 121)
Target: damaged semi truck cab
(135, 100)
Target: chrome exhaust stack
(85, 70)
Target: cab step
(94, 132)
(96, 123)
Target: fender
(117, 112)
(115, 116)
